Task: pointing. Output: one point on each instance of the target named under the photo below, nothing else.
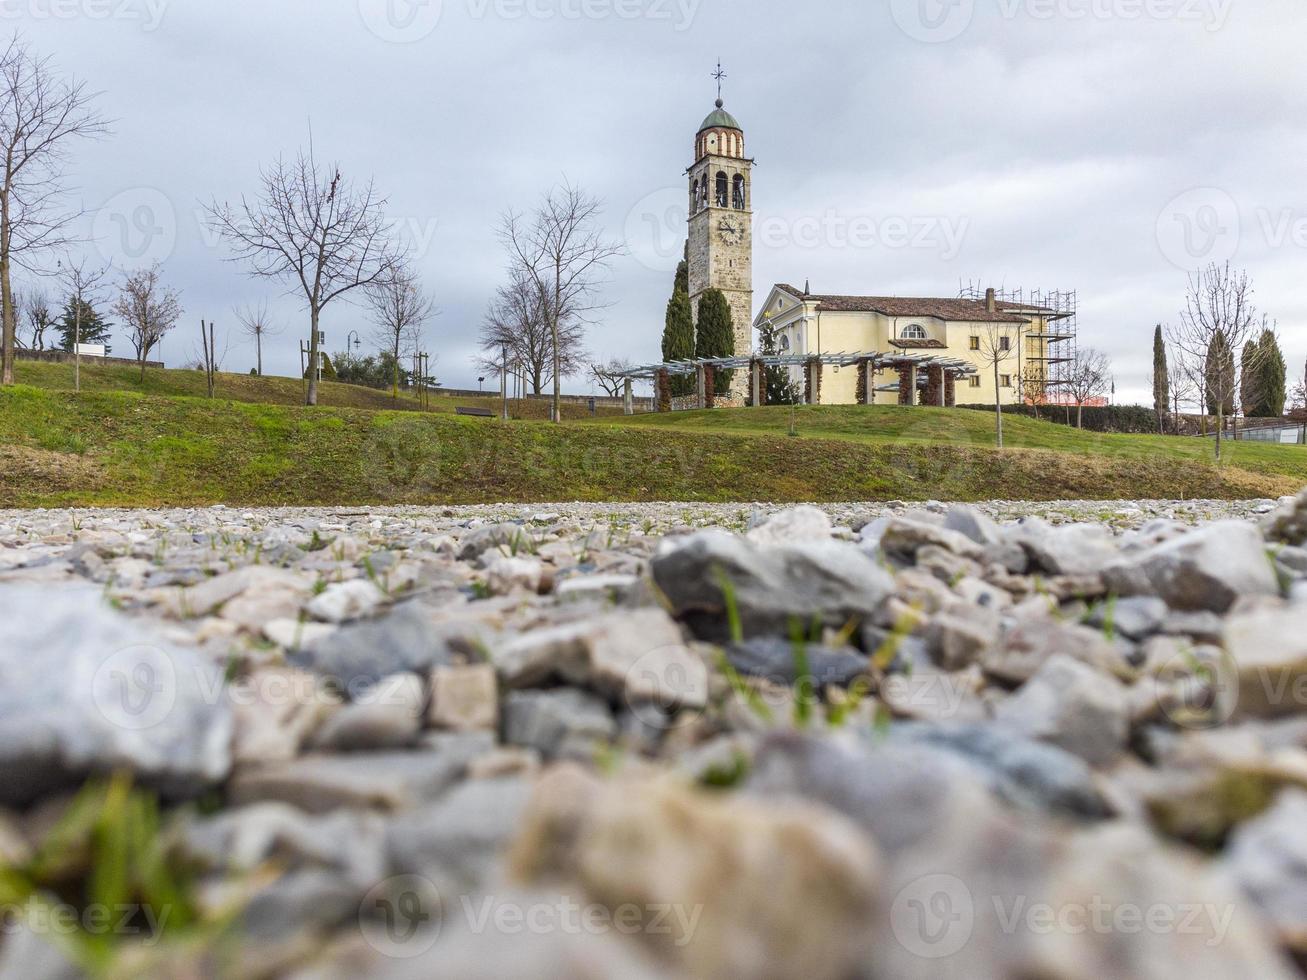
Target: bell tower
(721, 224)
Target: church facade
(1023, 337)
(721, 226)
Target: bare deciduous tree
(516, 322)
(34, 307)
(1180, 383)
(314, 230)
(83, 283)
(256, 324)
(400, 309)
(610, 375)
(40, 114)
(1218, 314)
(1089, 377)
(561, 251)
(148, 309)
(998, 343)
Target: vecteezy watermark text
(149, 13)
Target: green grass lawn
(970, 428)
(124, 448)
(265, 390)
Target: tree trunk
(77, 345)
(312, 397)
(558, 361)
(1220, 428)
(1080, 415)
(7, 293)
(258, 353)
(998, 407)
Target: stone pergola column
(700, 388)
(814, 382)
(759, 387)
(934, 386)
(709, 386)
(950, 390)
(907, 384)
(663, 390)
(628, 398)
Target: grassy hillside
(121, 448)
(259, 390)
(968, 428)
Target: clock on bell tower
(721, 225)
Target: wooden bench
(480, 413)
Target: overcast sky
(903, 146)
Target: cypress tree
(716, 334)
(1220, 377)
(94, 328)
(1249, 379)
(1161, 380)
(1271, 372)
(678, 330)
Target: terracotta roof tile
(940, 309)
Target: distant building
(1037, 334)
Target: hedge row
(1112, 418)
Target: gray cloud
(1041, 143)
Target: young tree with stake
(516, 321)
(561, 251)
(998, 343)
(83, 283)
(148, 310)
(400, 309)
(1090, 377)
(256, 324)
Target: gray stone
(379, 780)
(1288, 523)
(1268, 650)
(565, 723)
(1076, 549)
(345, 601)
(1029, 644)
(831, 581)
(1207, 569)
(798, 525)
(902, 538)
(957, 639)
(776, 660)
(389, 715)
(1073, 706)
(356, 657)
(87, 691)
(277, 710)
(465, 698)
(901, 795)
(1137, 617)
(975, 525)
(1025, 773)
(457, 841)
(1267, 856)
(511, 536)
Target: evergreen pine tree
(716, 334)
(780, 390)
(1271, 371)
(678, 330)
(1161, 380)
(94, 328)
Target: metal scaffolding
(1052, 351)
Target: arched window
(738, 196)
(913, 331)
(785, 344)
(703, 192)
(723, 191)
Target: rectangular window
(975, 381)
(1005, 380)
(1004, 343)
(975, 343)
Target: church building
(1039, 334)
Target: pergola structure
(935, 374)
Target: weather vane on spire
(719, 75)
